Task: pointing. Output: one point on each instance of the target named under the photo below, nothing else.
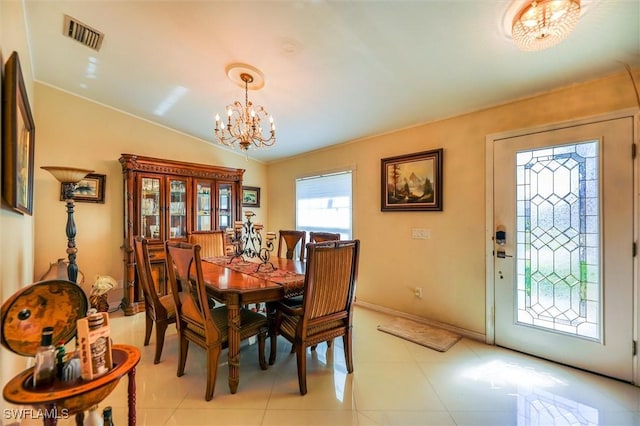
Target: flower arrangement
(102, 285)
(99, 290)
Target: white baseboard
(466, 333)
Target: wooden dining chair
(288, 241)
(314, 237)
(319, 237)
(197, 322)
(326, 311)
(212, 243)
(158, 309)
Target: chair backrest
(288, 241)
(330, 279)
(185, 269)
(145, 277)
(319, 237)
(212, 243)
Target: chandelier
(544, 23)
(244, 126)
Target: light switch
(420, 233)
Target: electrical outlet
(418, 292)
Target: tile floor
(395, 382)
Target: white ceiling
(334, 71)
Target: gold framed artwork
(89, 190)
(412, 182)
(18, 139)
(250, 196)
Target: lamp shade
(67, 174)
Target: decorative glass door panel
(558, 238)
(151, 226)
(225, 205)
(177, 208)
(563, 274)
(203, 206)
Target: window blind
(323, 203)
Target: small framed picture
(250, 196)
(412, 182)
(88, 190)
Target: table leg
(50, 416)
(80, 418)
(273, 331)
(50, 421)
(131, 394)
(233, 312)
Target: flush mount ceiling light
(542, 24)
(244, 122)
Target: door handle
(502, 254)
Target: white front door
(563, 256)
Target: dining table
(237, 282)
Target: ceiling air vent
(82, 33)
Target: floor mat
(422, 334)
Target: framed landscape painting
(250, 196)
(90, 189)
(412, 182)
(18, 139)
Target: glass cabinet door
(150, 208)
(203, 206)
(225, 205)
(177, 208)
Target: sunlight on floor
(535, 405)
(497, 373)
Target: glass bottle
(45, 369)
(107, 416)
(60, 355)
(93, 417)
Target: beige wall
(16, 230)
(450, 266)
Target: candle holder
(246, 238)
(235, 235)
(264, 253)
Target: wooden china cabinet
(166, 200)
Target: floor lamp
(69, 178)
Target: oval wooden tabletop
(228, 279)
